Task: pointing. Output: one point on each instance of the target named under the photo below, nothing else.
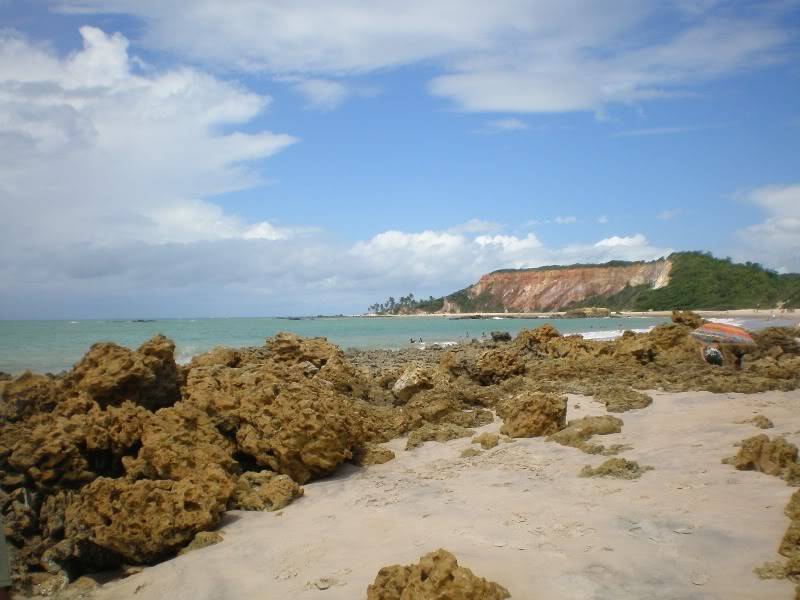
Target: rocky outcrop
(412, 380)
(533, 414)
(552, 288)
(773, 457)
(126, 458)
(438, 577)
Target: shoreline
(747, 313)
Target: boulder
(533, 414)
(486, 440)
(759, 453)
(437, 577)
(142, 521)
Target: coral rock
(441, 432)
(579, 431)
(410, 382)
(759, 453)
(109, 374)
(486, 440)
(622, 398)
(436, 577)
(533, 414)
(618, 468)
(372, 454)
(264, 490)
(145, 520)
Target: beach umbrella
(723, 333)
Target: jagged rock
(533, 414)
(110, 374)
(27, 395)
(221, 356)
(622, 398)
(759, 453)
(618, 468)
(445, 404)
(203, 539)
(501, 336)
(305, 432)
(486, 440)
(436, 577)
(579, 431)
(470, 452)
(142, 521)
(688, 318)
(372, 454)
(410, 382)
(263, 490)
(441, 432)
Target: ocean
(53, 346)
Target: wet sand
(518, 514)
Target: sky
(289, 157)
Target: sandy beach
(518, 514)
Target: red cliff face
(553, 289)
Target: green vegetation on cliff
(700, 281)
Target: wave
(611, 334)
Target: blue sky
(239, 158)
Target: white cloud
(634, 241)
(99, 151)
(602, 219)
(565, 220)
(776, 240)
(322, 94)
(516, 56)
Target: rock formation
(618, 468)
(436, 577)
(578, 432)
(533, 414)
(773, 457)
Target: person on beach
(5, 569)
(712, 354)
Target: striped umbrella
(723, 334)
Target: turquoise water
(52, 346)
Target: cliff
(554, 288)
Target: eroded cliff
(553, 288)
